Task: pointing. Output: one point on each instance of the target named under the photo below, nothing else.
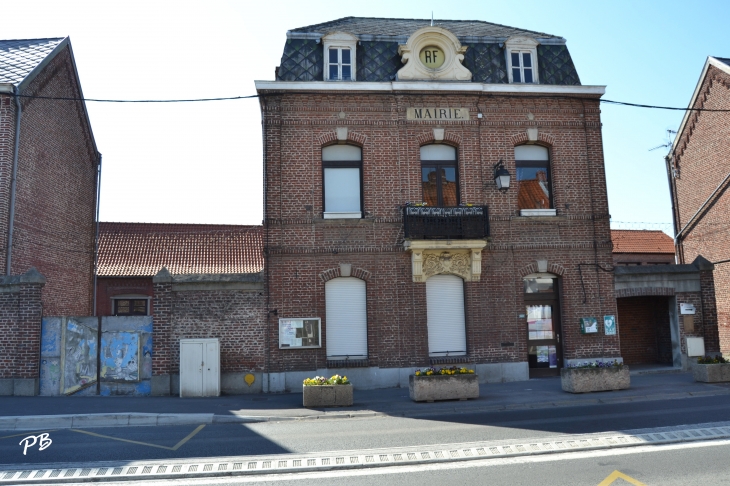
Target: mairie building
(435, 195)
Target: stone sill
(367, 219)
(541, 218)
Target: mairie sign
(441, 114)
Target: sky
(202, 162)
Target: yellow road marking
(190, 436)
(619, 475)
(173, 448)
(28, 432)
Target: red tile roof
(641, 241)
(142, 249)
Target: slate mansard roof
(378, 60)
(19, 58)
(142, 249)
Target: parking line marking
(173, 448)
(618, 474)
(26, 433)
(190, 436)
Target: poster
(609, 325)
(588, 325)
(299, 333)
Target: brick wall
(107, 288)
(56, 190)
(20, 327)
(643, 323)
(236, 317)
(702, 160)
(300, 245)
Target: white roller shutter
(445, 310)
(346, 319)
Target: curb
(74, 421)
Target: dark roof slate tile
(399, 27)
(19, 57)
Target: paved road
(699, 464)
(137, 443)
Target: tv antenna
(667, 142)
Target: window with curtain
(439, 175)
(342, 177)
(533, 177)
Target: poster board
(609, 325)
(300, 333)
(588, 325)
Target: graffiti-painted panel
(51, 337)
(79, 357)
(120, 356)
(50, 382)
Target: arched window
(445, 315)
(342, 177)
(439, 177)
(346, 318)
(533, 177)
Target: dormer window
(521, 67)
(522, 60)
(340, 64)
(339, 56)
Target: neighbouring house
(130, 254)
(435, 194)
(642, 247)
(197, 281)
(698, 168)
(49, 166)
(652, 297)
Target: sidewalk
(27, 413)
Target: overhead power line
(229, 98)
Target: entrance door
(544, 354)
(199, 368)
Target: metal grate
(455, 223)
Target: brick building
(370, 118)
(642, 247)
(698, 168)
(48, 201)
(131, 254)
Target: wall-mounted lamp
(501, 176)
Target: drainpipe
(670, 179)
(11, 215)
(96, 237)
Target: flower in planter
(321, 380)
(596, 364)
(444, 371)
(711, 360)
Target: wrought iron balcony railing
(461, 222)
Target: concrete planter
(711, 373)
(585, 380)
(327, 395)
(443, 387)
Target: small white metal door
(210, 370)
(191, 369)
(199, 368)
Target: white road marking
(566, 456)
